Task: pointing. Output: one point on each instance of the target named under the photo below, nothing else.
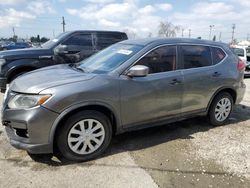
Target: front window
(109, 59)
(52, 42)
(162, 59)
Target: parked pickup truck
(68, 47)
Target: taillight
(241, 65)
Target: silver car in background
(77, 108)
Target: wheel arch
(100, 107)
(229, 90)
(18, 69)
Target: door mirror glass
(61, 49)
(138, 71)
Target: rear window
(218, 55)
(106, 39)
(196, 56)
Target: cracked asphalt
(189, 153)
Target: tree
(38, 38)
(214, 38)
(32, 39)
(131, 34)
(167, 29)
(199, 38)
(150, 35)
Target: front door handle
(175, 82)
(216, 74)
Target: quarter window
(196, 56)
(218, 55)
(162, 59)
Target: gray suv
(76, 108)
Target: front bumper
(3, 82)
(29, 129)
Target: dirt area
(190, 153)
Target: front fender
(81, 105)
(12, 66)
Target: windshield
(239, 51)
(248, 50)
(52, 42)
(109, 58)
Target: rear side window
(84, 40)
(195, 56)
(106, 39)
(218, 55)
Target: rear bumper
(240, 92)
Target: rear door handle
(216, 74)
(175, 82)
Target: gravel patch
(228, 145)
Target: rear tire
(84, 136)
(220, 109)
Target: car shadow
(137, 140)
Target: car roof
(159, 41)
(95, 31)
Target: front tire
(84, 136)
(220, 109)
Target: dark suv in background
(68, 47)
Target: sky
(142, 17)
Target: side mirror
(138, 71)
(61, 49)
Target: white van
(244, 54)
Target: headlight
(2, 61)
(22, 101)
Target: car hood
(25, 53)
(41, 79)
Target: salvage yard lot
(190, 153)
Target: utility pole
(189, 33)
(247, 36)
(233, 27)
(220, 37)
(182, 32)
(210, 32)
(63, 23)
(14, 33)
